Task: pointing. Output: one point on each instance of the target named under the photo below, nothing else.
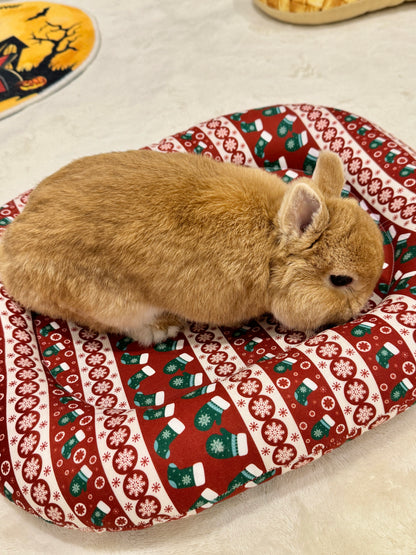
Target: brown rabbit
(137, 242)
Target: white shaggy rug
(162, 67)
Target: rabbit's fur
(137, 242)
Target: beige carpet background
(162, 67)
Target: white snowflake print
(105, 402)
(28, 444)
(317, 433)
(225, 369)
(408, 319)
(99, 373)
(31, 468)
(354, 165)
(217, 445)
(165, 146)
(214, 124)
(374, 187)
(22, 335)
(365, 176)
(321, 124)
(136, 485)
(295, 337)
(262, 407)
(27, 374)
(222, 132)
(397, 204)
(166, 434)
(205, 337)
(385, 195)
(396, 394)
(291, 144)
(284, 455)
(115, 421)
(125, 459)
(317, 340)
(75, 489)
(210, 347)
(40, 493)
(24, 350)
(343, 369)
(239, 158)
(241, 375)
(337, 145)
(230, 144)
(329, 134)
(216, 358)
(204, 420)
(328, 350)
(147, 508)
(409, 211)
(54, 513)
(96, 359)
(27, 388)
(316, 114)
(186, 480)
(14, 306)
(250, 387)
(346, 154)
(275, 432)
(118, 437)
(364, 414)
(356, 392)
(178, 382)
(394, 307)
(27, 422)
(18, 321)
(26, 363)
(171, 368)
(103, 387)
(27, 403)
(87, 334)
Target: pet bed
(99, 433)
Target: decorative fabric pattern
(99, 433)
(43, 45)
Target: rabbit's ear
(329, 174)
(302, 210)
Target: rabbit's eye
(340, 281)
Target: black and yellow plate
(43, 46)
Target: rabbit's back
(145, 225)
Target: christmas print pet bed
(99, 433)
(43, 46)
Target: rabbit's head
(329, 254)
